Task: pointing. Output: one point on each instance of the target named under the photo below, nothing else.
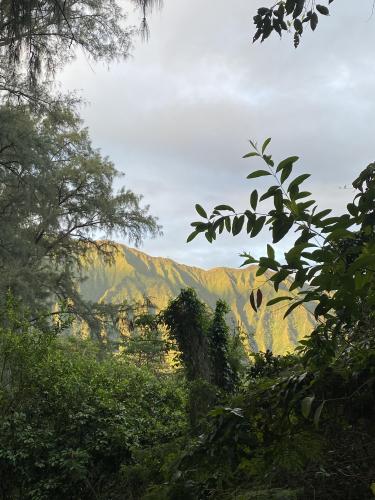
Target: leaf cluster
(288, 16)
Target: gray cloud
(176, 117)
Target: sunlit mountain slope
(135, 274)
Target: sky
(176, 117)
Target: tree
(288, 15)
(56, 200)
(222, 373)
(39, 36)
(186, 319)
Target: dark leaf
(287, 161)
(278, 299)
(258, 173)
(258, 226)
(224, 207)
(192, 236)
(201, 211)
(265, 144)
(252, 302)
(322, 9)
(249, 155)
(314, 21)
(254, 199)
(237, 224)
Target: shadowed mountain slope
(135, 274)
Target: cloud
(177, 116)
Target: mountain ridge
(135, 274)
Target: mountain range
(134, 275)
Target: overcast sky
(177, 116)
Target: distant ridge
(135, 274)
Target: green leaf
(258, 226)
(278, 299)
(302, 194)
(286, 173)
(192, 236)
(270, 252)
(298, 180)
(303, 206)
(269, 263)
(224, 207)
(249, 155)
(254, 199)
(199, 225)
(270, 192)
(261, 270)
(317, 217)
(339, 234)
(201, 211)
(237, 224)
(258, 173)
(280, 228)
(278, 277)
(306, 404)
(287, 162)
(208, 236)
(249, 259)
(265, 144)
(228, 224)
(292, 307)
(278, 200)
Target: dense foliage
(309, 426)
(112, 420)
(73, 427)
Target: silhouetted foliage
(39, 36)
(289, 16)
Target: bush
(69, 423)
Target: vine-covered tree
(222, 372)
(187, 321)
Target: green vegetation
(108, 417)
(56, 197)
(306, 425)
(73, 427)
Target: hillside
(135, 274)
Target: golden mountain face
(135, 274)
